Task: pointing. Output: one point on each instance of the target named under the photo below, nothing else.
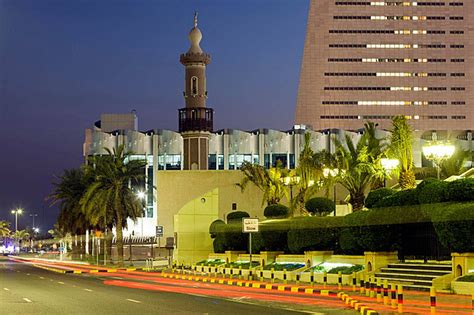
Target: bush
(376, 195)
(237, 216)
(455, 227)
(400, 198)
(234, 238)
(216, 227)
(320, 206)
(219, 243)
(346, 270)
(276, 211)
(461, 190)
(314, 233)
(352, 232)
(274, 235)
(432, 191)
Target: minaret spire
(195, 19)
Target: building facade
(372, 60)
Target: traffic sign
(249, 225)
(159, 231)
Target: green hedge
(376, 195)
(320, 206)
(461, 190)
(433, 191)
(237, 216)
(276, 211)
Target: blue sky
(63, 63)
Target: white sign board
(249, 225)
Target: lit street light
(388, 166)
(33, 215)
(17, 212)
(438, 152)
(331, 173)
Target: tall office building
(371, 60)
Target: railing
(196, 119)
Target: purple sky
(63, 63)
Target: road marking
(60, 282)
(6, 289)
(27, 274)
(134, 301)
(117, 278)
(41, 277)
(27, 300)
(88, 290)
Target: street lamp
(388, 166)
(33, 217)
(438, 152)
(291, 181)
(17, 212)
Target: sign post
(250, 225)
(159, 235)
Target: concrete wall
(188, 202)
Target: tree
(269, 181)
(21, 235)
(401, 142)
(4, 229)
(358, 165)
(109, 199)
(456, 164)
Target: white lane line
(134, 301)
(118, 278)
(27, 300)
(88, 290)
(6, 289)
(41, 277)
(60, 282)
(27, 274)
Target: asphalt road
(25, 289)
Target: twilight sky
(64, 62)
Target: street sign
(250, 225)
(159, 231)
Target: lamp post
(438, 152)
(33, 215)
(16, 212)
(291, 181)
(388, 166)
(331, 173)
(141, 196)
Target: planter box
(460, 287)
(462, 263)
(377, 260)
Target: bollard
(385, 292)
(433, 300)
(362, 284)
(311, 278)
(354, 281)
(379, 290)
(400, 299)
(325, 279)
(231, 273)
(240, 272)
(272, 275)
(250, 274)
(372, 287)
(261, 275)
(298, 279)
(393, 295)
(367, 285)
(339, 280)
(285, 280)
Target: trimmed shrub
(276, 211)
(219, 243)
(234, 238)
(432, 191)
(274, 234)
(320, 206)
(461, 190)
(237, 216)
(376, 195)
(405, 197)
(216, 227)
(314, 233)
(346, 270)
(455, 227)
(352, 232)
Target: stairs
(413, 276)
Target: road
(25, 289)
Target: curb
(356, 305)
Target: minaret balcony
(196, 119)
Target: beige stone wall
(188, 201)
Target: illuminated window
(194, 86)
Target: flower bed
(334, 268)
(466, 278)
(241, 264)
(211, 262)
(289, 266)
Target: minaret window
(194, 86)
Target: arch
(194, 85)
(308, 263)
(458, 271)
(369, 266)
(262, 262)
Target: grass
(242, 264)
(467, 278)
(281, 266)
(210, 262)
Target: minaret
(195, 120)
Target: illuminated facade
(372, 60)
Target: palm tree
(109, 199)
(358, 165)
(68, 191)
(456, 164)
(269, 181)
(401, 142)
(4, 229)
(21, 235)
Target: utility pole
(33, 215)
